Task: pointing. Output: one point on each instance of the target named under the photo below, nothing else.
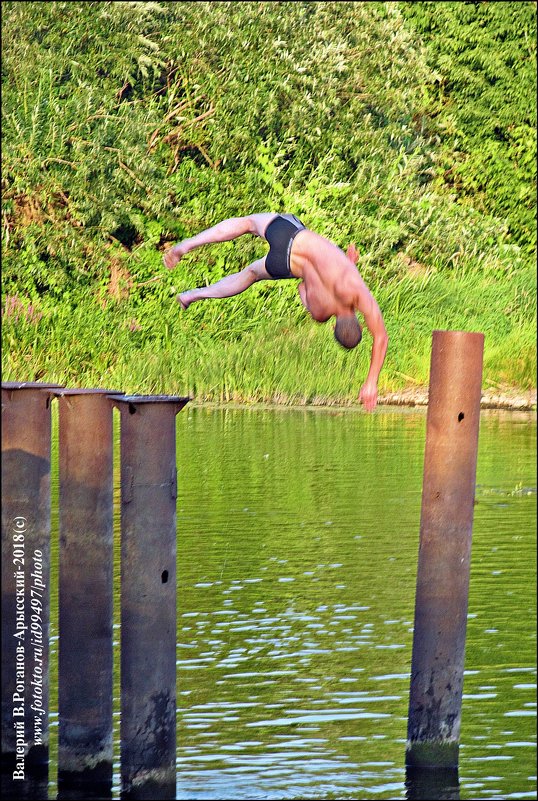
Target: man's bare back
(330, 284)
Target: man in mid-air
(330, 282)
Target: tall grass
(128, 126)
(283, 356)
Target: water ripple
(296, 597)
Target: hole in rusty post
(460, 417)
(164, 576)
(132, 408)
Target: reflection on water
(423, 784)
(298, 542)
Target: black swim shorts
(280, 234)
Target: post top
(449, 333)
(28, 385)
(61, 392)
(149, 399)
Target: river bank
(510, 399)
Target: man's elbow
(378, 328)
(382, 338)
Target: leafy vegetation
(129, 125)
(483, 96)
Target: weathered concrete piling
(26, 448)
(148, 595)
(85, 592)
(445, 549)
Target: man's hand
(368, 395)
(172, 256)
(352, 253)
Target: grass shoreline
(415, 398)
(112, 153)
(510, 400)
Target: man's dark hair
(347, 331)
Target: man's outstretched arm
(222, 232)
(375, 323)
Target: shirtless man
(331, 284)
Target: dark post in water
(148, 595)
(26, 447)
(445, 549)
(85, 593)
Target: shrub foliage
(407, 128)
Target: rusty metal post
(445, 549)
(85, 593)
(148, 595)
(26, 447)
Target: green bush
(129, 125)
(483, 98)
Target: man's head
(347, 331)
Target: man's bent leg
(227, 287)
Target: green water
(297, 552)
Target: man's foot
(185, 299)
(172, 256)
